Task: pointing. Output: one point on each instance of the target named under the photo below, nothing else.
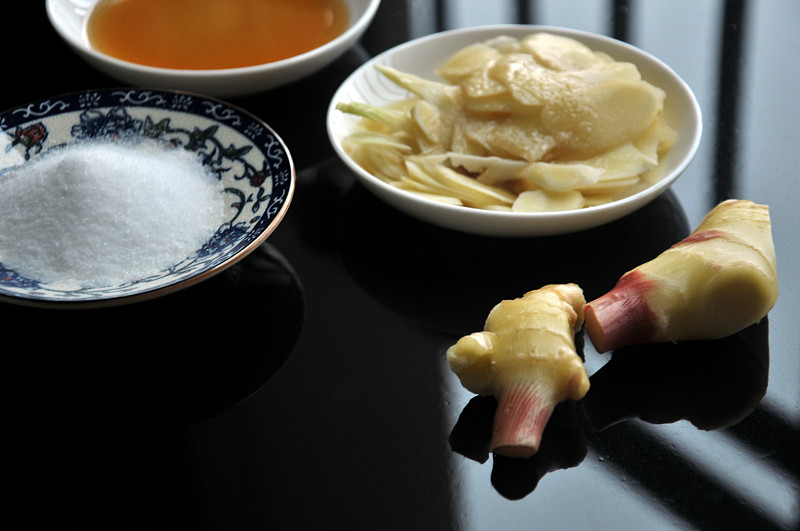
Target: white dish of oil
(310, 49)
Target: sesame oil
(213, 34)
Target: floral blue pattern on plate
(250, 159)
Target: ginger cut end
(525, 407)
(622, 316)
(520, 420)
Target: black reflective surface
(306, 388)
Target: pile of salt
(101, 213)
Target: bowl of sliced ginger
(515, 130)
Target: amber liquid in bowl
(213, 34)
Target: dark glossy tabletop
(307, 388)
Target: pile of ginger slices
(536, 124)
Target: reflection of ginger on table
(526, 358)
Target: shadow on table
(713, 384)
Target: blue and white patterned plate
(253, 163)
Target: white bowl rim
(496, 29)
(355, 28)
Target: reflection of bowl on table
(422, 57)
(165, 361)
(448, 281)
(69, 19)
(253, 166)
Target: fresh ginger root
(526, 358)
(719, 280)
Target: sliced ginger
(526, 358)
(543, 113)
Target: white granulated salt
(103, 213)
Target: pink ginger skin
(623, 315)
(519, 421)
(523, 411)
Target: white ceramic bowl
(69, 19)
(250, 159)
(425, 55)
